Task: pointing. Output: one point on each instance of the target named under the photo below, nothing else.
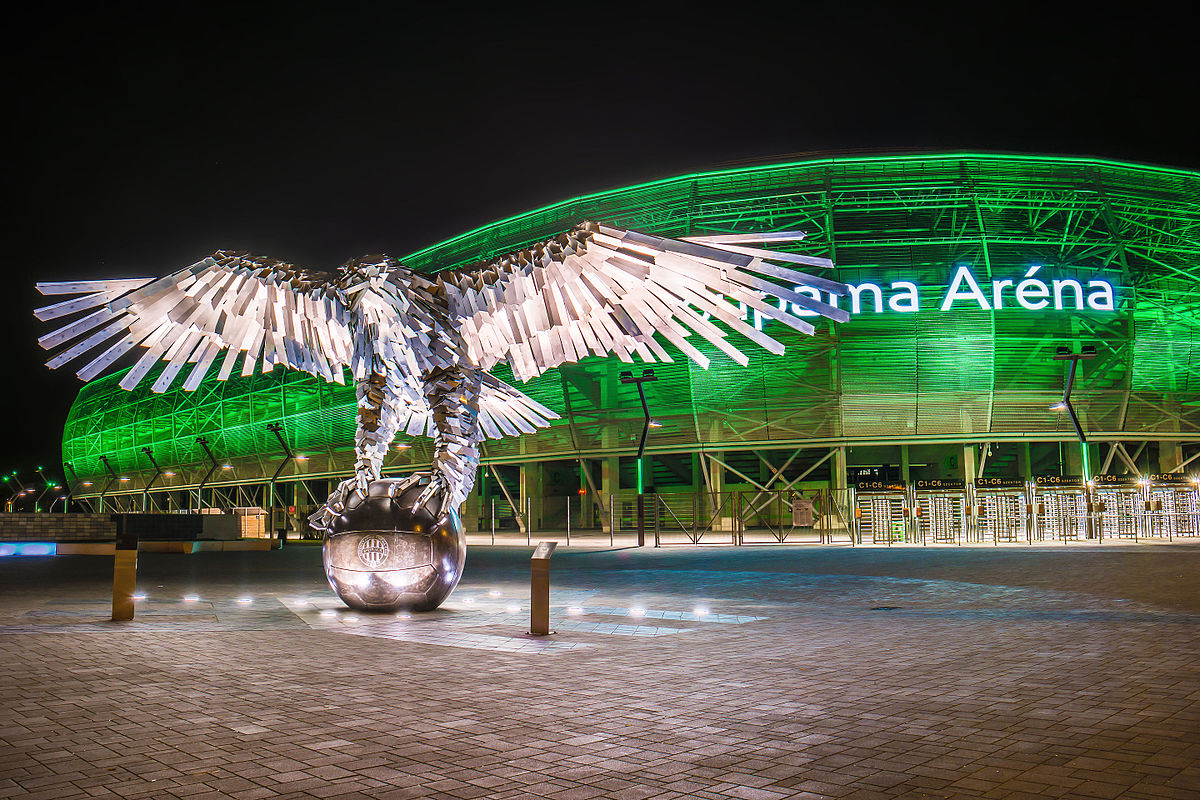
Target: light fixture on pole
(37, 505)
(12, 478)
(1067, 354)
(627, 377)
(63, 494)
(50, 486)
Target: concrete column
(1025, 461)
(838, 470)
(610, 479)
(610, 475)
(532, 493)
(904, 463)
(1170, 456)
(584, 499)
(970, 463)
(471, 509)
(716, 474)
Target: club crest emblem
(373, 551)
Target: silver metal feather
(420, 349)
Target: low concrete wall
(56, 527)
(100, 527)
(186, 548)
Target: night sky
(142, 136)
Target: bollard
(539, 589)
(124, 570)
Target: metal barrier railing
(894, 515)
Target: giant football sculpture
(419, 349)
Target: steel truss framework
(880, 378)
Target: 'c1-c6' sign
(999, 482)
(880, 486)
(1059, 480)
(940, 483)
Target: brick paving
(754, 673)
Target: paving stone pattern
(752, 673)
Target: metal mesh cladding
(878, 376)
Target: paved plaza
(753, 673)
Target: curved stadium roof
(962, 375)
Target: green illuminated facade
(902, 371)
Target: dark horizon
(141, 138)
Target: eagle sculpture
(420, 347)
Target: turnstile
(1170, 507)
(1116, 503)
(941, 511)
(1060, 508)
(1002, 510)
(881, 512)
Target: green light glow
(966, 372)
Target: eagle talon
(337, 502)
(436, 495)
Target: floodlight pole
(1066, 354)
(627, 377)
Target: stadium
(925, 418)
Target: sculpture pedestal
(381, 555)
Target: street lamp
(1066, 354)
(11, 478)
(50, 486)
(647, 376)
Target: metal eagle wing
(602, 289)
(228, 301)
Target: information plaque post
(539, 589)
(124, 569)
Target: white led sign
(1028, 292)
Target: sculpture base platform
(382, 555)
